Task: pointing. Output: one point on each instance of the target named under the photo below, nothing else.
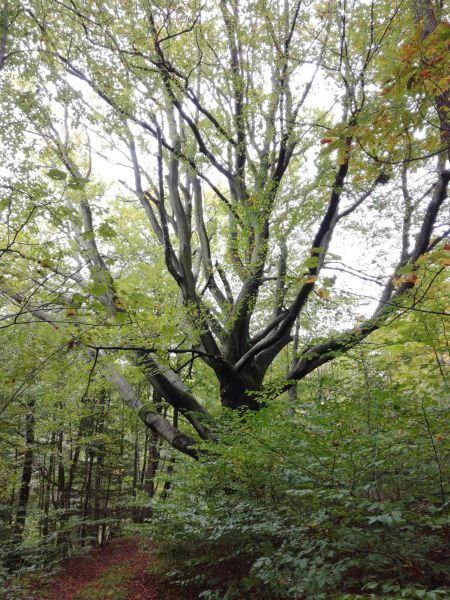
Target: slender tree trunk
(293, 396)
(150, 473)
(47, 491)
(27, 471)
(105, 527)
(168, 482)
(87, 493)
(144, 461)
(61, 474)
(71, 477)
(100, 449)
(151, 460)
(63, 541)
(136, 511)
(12, 501)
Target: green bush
(344, 495)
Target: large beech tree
(250, 134)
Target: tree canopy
(246, 136)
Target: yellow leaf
(310, 279)
(323, 293)
(421, 259)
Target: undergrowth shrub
(343, 495)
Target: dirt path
(119, 572)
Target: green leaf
(56, 174)
(106, 231)
(405, 269)
(77, 299)
(47, 263)
(77, 184)
(443, 31)
(98, 289)
(312, 261)
(328, 281)
(121, 318)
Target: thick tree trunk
(242, 391)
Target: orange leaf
(407, 278)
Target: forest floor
(123, 570)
